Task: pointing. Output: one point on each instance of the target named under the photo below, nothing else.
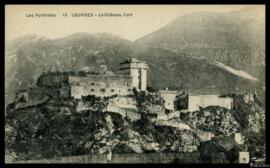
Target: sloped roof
(132, 60)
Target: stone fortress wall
(169, 97)
(194, 101)
(204, 100)
(100, 85)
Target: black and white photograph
(131, 84)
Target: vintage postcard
(135, 84)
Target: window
(129, 90)
(23, 99)
(92, 84)
(102, 90)
(112, 90)
(92, 90)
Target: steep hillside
(236, 39)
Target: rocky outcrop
(56, 128)
(215, 119)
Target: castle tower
(137, 70)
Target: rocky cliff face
(45, 132)
(214, 119)
(56, 128)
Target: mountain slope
(236, 39)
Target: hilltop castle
(75, 85)
(134, 76)
(67, 85)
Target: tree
(147, 102)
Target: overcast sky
(145, 19)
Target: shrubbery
(251, 116)
(148, 102)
